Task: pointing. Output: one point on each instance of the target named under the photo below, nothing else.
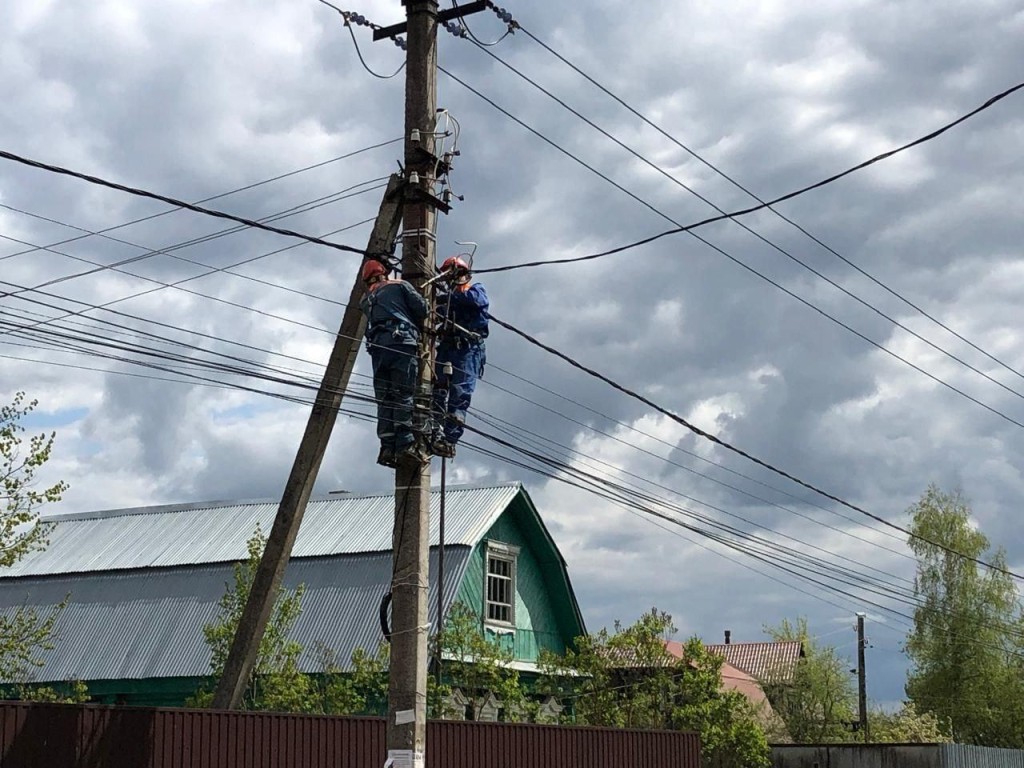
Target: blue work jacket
(394, 314)
(467, 310)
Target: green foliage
(628, 679)
(20, 531)
(363, 690)
(820, 702)
(25, 632)
(71, 692)
(907, 726)
(478, 666)
(968, 636)
(276, 684)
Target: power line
(96, 340)
(778, 213)
(817, 273)
(516, 432)
(243, 307)
(172, 201)
(718, 441)
(211, 297)
(349, 18)
(218, 196)
(691, 454)
(744, 211)
(334, 197)
(745, 549)
(734, 259)
(193, 347)
(630, 504)
(526, 399)
(162, 285)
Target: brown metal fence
(88, 736)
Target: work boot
(412, 452)
(443, 448)
(386, 457)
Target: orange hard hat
(454, 263)
(373, 268)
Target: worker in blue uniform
(462, 313)
(395, 313)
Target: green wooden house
(141, 583)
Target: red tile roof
(767, 662)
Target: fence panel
(89, 736)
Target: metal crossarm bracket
(442, 16)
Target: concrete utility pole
(245, 646)
(407, 683)
(862, 679)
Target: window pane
(500, 589)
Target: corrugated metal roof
(216, 532)
(139, 624)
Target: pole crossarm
(442, 16)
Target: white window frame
(497, 550)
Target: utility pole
(862, 681)
(407, 678)
(267, 581)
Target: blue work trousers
(395, 370)
(452, 394)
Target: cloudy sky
(195, 99)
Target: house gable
(546, 614)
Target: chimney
(728, 636)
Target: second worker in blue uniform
(462, 328)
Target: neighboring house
(769, 663)
(748, 667)
(141, 583)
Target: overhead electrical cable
(755, 553)
(532, 402)
(160, 285)
(145, 350)
(348, 25)
(744, 265)
(743, 211)
(816, 565)
(524, 436)
(736, 473)
(740, 452)
(211, 270)
(172, 201)
(168, 251)
(218, 196)
(697, 156)
(88, 307)
(816, 272)
(630, 504)
(627, 501)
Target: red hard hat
(453, 263)
(372, 269)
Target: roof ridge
(203, 532)
(156, 509)
(754, 642)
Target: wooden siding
(538, 624)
